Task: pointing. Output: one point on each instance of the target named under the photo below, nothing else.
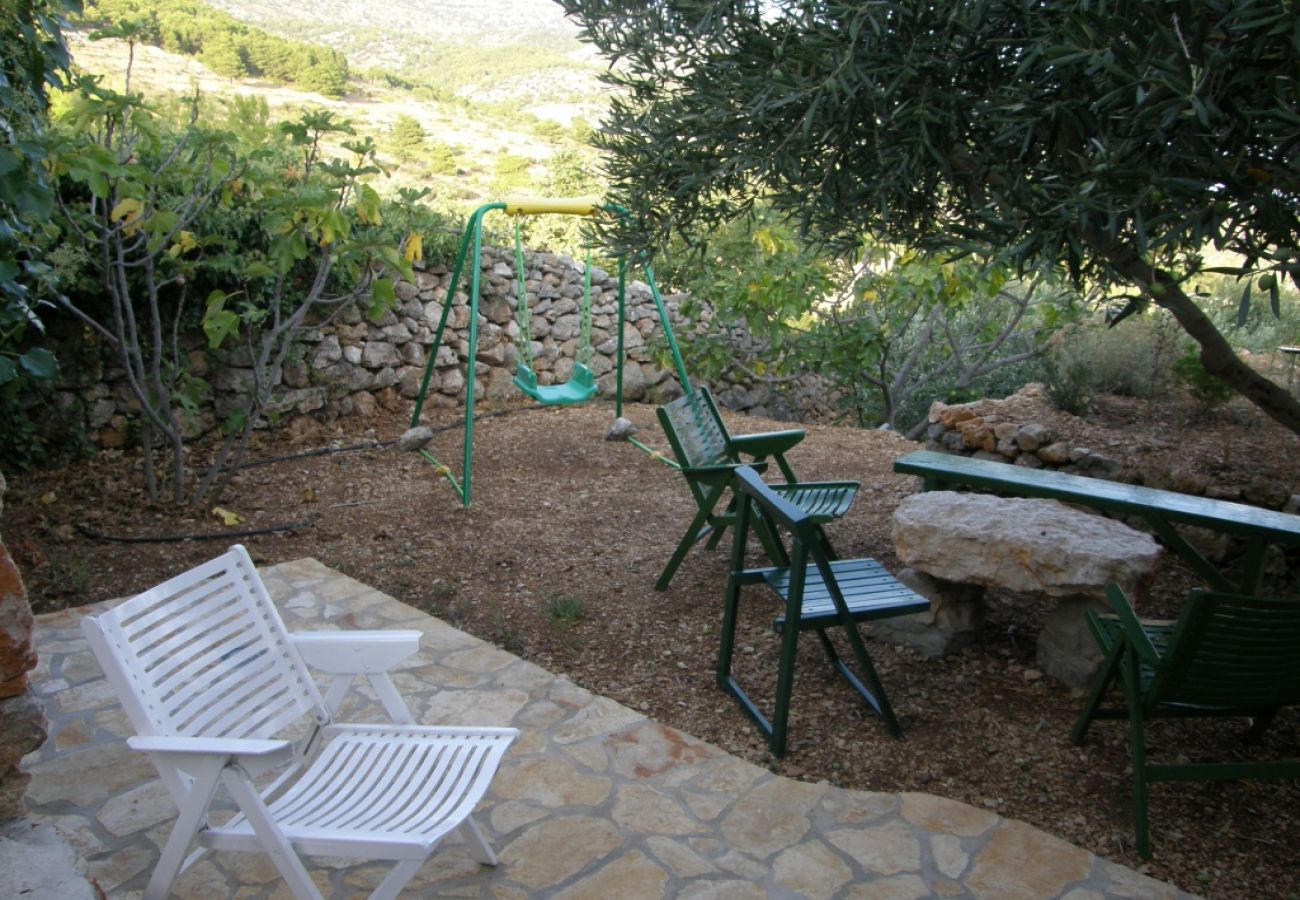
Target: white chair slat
(250, 709)
(402, 803)
(195, 648)
(175, 597)
(364, 764)
(448, 781)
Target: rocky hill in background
(507, 50)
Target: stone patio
(593, 801)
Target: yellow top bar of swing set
(531, 206)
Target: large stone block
(1026, 546)
(1038, 546)
(951, 622)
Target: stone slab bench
(957, 544)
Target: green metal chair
(818, 593)
(1226, 655)
(708, 456)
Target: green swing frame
(581, 385)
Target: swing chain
(522, 315)
(583, 356)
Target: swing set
(581, 384)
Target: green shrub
(563, 611)
(1133, 358)
(1067, 379)
(1208, 390)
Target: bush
(1209, 391)
(1133, 358)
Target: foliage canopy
(1118, 140)
(33, 58)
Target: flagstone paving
(593, 801)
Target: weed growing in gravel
(563, 611)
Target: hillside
(410, 21)
(522, 51)
(475, 140)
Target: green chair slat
(1226, 655)
(822, 500)
(707, 454)
(818, 593)
(869, 592)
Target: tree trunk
(1217, 354)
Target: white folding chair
(220, 693)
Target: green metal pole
(678, 364)
(475, 278)
(473, 237)
(442, 321)
(668, 329)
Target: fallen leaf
(226, 516)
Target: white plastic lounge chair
(219, 692)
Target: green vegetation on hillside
(444, 71)
(224, 44)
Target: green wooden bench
(817, 592)
(1226, 655)
(707, 455)
(1162, 510)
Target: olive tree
(1115, 140)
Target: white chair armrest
(211, 746)
(356, 652)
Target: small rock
(1056, 454)
(1031, 437)
(415, 438)
(1266, 492)
(621, 430)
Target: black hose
(87, 531)
(319, 451)
(94, 535)
(372, 445)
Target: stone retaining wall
(999, 431)
(352, 366)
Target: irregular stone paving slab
(593, 801)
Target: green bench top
(1161, 509)
(1207, 512)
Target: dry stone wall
(352, 366)
(1000, 431)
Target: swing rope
(522, 314)
(583, 356)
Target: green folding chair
(818, 593)
(1226, 655)
(708, 456)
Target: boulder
(1039, 546)
(951, 622)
